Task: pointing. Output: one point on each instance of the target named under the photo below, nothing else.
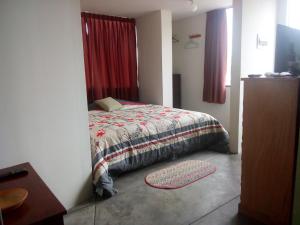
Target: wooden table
(41, 206)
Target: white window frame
(229, 15)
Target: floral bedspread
(138, 135)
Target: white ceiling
(135, 8)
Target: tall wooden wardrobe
(177, 91)
(269, 150)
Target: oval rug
(180, 175)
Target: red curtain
(110, 57)
(215, 66)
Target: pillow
(108, 104)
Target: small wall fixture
(175, 39)
(193, 36)
(194, 5)
(260, 43)
(192, 43)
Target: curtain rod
(96, 13)
(228, 7)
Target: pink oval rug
(180, 175)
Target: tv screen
(287, 56)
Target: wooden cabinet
(269, 149)
(177, 91)
(296, 210)
(41, 206)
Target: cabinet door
(296, 212)
(268, 154)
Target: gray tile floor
(212, 200)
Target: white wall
(149, 57)
(282, 12)
(259, 17)
(154, 40)
(190, 64)
(235, 98)
(251, 18)
(167, 59)
(43, 113)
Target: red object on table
(40, 207)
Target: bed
(139, 135)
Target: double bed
(138, 135)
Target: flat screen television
(287, 55)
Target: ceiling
(135, 8)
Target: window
(293, 15)
(229, 13)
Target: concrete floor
(212, 200)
